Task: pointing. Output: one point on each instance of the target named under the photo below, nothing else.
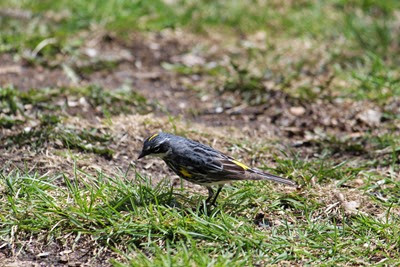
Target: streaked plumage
(201, 164)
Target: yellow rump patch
(241, 164)
(153, 136)
(185, 173)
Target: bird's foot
(206, 208)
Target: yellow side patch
(153, 136)
(241, 164)
(185, 173)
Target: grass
(319, 19)
(48, 114)
(71, 193)
(121, 100)
(356, 26)
(132, 218)
(86, 140)
(376, 81)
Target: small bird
(201, 164)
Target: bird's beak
(142, 154)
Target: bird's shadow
(141, 192)
(169, 199)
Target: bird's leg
(216, 195)
(210, 194)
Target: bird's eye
(156, 149)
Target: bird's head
(157, 145)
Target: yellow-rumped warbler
(201, 164)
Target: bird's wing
(205, 163)
(226, 168)
(202, 161)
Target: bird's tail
(259, 175)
